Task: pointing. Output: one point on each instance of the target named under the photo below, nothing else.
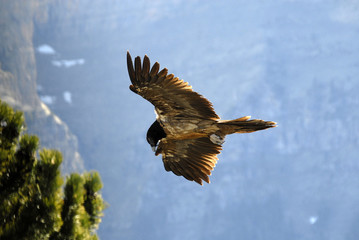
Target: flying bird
(187, 131)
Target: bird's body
(187, 131)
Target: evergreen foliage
(33, 202)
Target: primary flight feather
(187, 131)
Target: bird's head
(153, 143)
(154, 134)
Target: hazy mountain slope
(18, 78)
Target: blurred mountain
(18, 76)
(293, 62)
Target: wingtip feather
(131, 71)
(154, 70)
(199, 181)
(146, 66)
(138, 68)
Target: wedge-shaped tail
(244, 125)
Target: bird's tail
(244, 125)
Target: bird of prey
(187, 131)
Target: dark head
(154, 134)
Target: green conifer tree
(33, 203)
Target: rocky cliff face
(18, 78)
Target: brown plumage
(187, 131)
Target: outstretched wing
(170, 95)
(193, 159)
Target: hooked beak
(153, 148)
